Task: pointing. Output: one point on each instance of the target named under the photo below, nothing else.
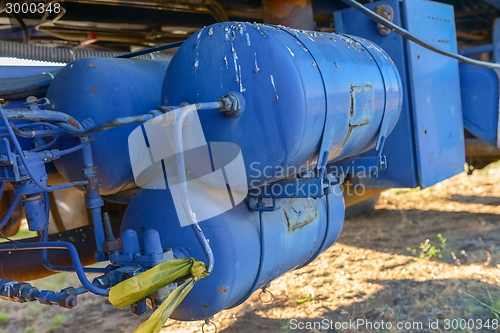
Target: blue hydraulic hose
(122, 121)
(45, 146)
(2, 188)
(55, 268)
(26, 164)
(59, 245)
(9, 212)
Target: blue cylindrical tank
(103, 89)
(291, 237)
(295, 84)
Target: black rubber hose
(22, 87)
(59, 54)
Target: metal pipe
(32, 124)
(35, 133)
(181, 170)
(75, 148)
(11, 209)
(2, 188)
(112, 123)
(40, 115)
(53, 131)
(58, 268)
(94, 201)
(26, 266)
(150, 50)
(477, 49)
(59, 245)
(45, 146)
(209, 105)
(122, 121)
(26, 164)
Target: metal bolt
(386, 12)
(4, 160)
(139, 308)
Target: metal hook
(266, 292)
(207, 323)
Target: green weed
(428, 251)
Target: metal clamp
(296, 188)
(357, 165)
(258, 204)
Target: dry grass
(367, 274)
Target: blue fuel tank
(103, 89)
(296, 84)
(246, 256)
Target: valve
(233, 104)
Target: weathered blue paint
(103, 89)
(480, 102)
(247, 257)
(427, 144)
(302, 90)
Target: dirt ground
(389, 265)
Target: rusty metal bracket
(387, 12)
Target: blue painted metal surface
(480, 102)
(427, 144)
(19, 72)
(399, 147)
(131, 254)
(496, 40)
(435, 85)
(301, 89)
(480, 93)
(23, 71)
(103, 89)
(247, 257)
(477, 49)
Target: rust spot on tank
(105, 74)
(362, 104)
(299, 213)
(222, 290)
(94, 64)
(94, 91)
(205, 306)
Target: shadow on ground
(470, 237)
(418, 307)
